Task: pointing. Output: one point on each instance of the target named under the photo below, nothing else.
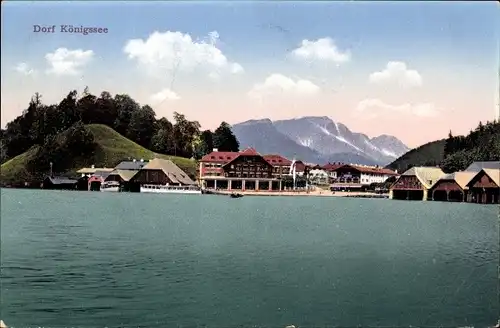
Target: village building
(244, 170)
(281, 165)
(59, 183)
(351, 177)
(415, 183)
(484, 187)
(163, 172)
(330, 168)
(452, 187)
(319, 176)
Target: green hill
(111, 148)
(430, 154)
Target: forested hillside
(456, 152)
(59, 133)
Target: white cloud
(372, 107)
(397, 72)
(323, 49)
(280, 84)
(24, 69)
(68, 62)
(176, 50)
(165, 94)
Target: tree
(162, 140)
(125, 106)
(224, 139)
(141, 126)
(184, 135)
(106, 107)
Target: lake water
(82, 259)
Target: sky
(414, 70)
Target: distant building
(281, 165)
(415, 183)
(358, 177)
(451, 187)
(330, 168)
(244, 170)
(484, 187)
(121, 176)
(319, 176)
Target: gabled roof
(461, 178)
(428, 176)
(172, 171)
(332, 166)
(478, 166)
(126, 175)
(494, 174)
(93, 170)
(61, 180)
(277, 160)
(227, 156)
(131, 165)
(102, 174)
(219, 157)
(249, 151)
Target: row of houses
(130, 175)
(478, 183)
(249, 170)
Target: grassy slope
(430, 154)
(112, 148)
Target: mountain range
(318, 139)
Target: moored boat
(234, 195)
(169, 189)
(110, 186)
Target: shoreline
(353, 194)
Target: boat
(235, 195)
(110, 186)
(170, 189)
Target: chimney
(215, 150)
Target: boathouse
(414, 184)
(484, 187)
(451, 187)
(59, 183)
(161, 172)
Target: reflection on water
(94, 260)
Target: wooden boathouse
(415, 183)
(484, 187)
(452, 187)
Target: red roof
(219, 157)
(332, 167)
(249, 151)
(277, 160)
(227, 156)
